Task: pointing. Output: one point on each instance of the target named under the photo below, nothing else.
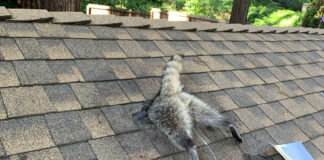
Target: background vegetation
(261, 12)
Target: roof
(70, 85)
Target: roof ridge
(79, 18)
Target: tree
(312, 11)
(239, 11)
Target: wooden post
(52, 5)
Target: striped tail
(171, 84)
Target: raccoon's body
(175, 112)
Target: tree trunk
(239, 11)
(51, 5)
(309, 17)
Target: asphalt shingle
(226, 79)
(140, 66)
(83, 48)
(65, 71)
(55, 49)
(270, 92)
(112, 151)
(193, 65)
(3, 113)
(20, 29)
(276, 46)
(66, 127)
(316, 100)
(210, 36)
(175, 47)
(198, 83)
(73, 31)
(238, 47)
(297, 106)
(96, 70)
(227, 149)
(259, 47)
(216, 63)
(31, 48)
(26, 101)
(26, 134)
(316, 154)
(48, 154)
(62, 97)
(111, 93)
(96, 123)
(253, 118)
(50, 30)
(132, 49)
(34, 72)
(149, 87)
(233, 36)
(259, 60)
(308, 85)
(295, 46)
(265, 75)
(276, 112)
(104, 32)
(131, 90)
(310, 126)
(248, 77)
(140, 34)
(110, 49)
(295, 58)
(197, 48)
(8, 76)
(239, 61)
(278, 59)
(120, 119)
(244, 97)
(289, 89)
(286, 132)
(219, 100)
(138, 146)
(80, 151)
(9, 50)
(297, 71)
(281, 73)
(180, 35)
(215, 48)
(319, 143)
(151, 48)
(313, 69)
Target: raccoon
(175, 112)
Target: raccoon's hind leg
(184, 141)
(208, 117)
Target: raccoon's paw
(235, 134)
(177, 57)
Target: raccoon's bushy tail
(171, 84)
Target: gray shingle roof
(68, 90)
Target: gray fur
(175, 112)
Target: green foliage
(9, 3)
(260, 9)
(295, 5)
(208, 8)
(179, 4)
(281, 18)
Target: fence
(93, 9)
